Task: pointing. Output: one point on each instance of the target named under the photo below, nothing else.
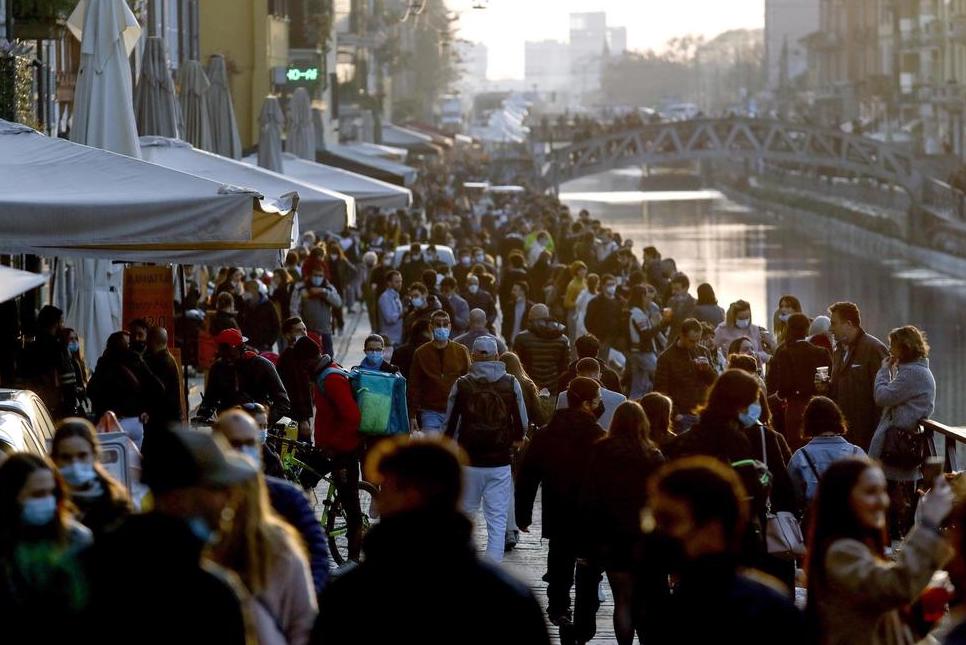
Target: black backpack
(489, 408)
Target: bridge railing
(859, 189)
(944, 199)
(945, 441)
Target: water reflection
(743, 256)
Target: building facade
(786, 23)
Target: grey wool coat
(905, 397)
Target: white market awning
(352, 160)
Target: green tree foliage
(426, 61)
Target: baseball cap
(182, 458)
(485, 346)
(231, 337)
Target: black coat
(259, 322)
(153, 599)
(791, 371)
(544, 352)
(473, 602)
(250, 379)
(558, 458)
(606, 318)
(123, 384)
(297, 385)
(168, 408)
(611, 499)
(223, 320)
(714, 603)
(678, 377)
(852, 386)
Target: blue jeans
(432, 421)
(642, 366)
(493, 488)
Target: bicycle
(309, 467)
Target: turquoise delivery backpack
(381, 398)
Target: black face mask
(138, 346)
(665, 552)
(599, 410)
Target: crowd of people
(540, 351)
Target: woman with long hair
(41, 585)
(611, 501)
(578, 282)
(787, 305)
(646, 329)
(738, 324)
(538, 412)
(658, 409)
(855, 592)
(101, 500)
(905, 389)
(74, 383)
(707, 309)
(267, 555)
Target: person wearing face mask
(516, 310)
(738, 324)
(681, 304)
(557, 459)
(455, 304)
(856, 593)
(413, 267)
(374, 355)
(341, 273)
(138, 329)
(315, 300)
(435, 367)
(605, 316)
(419, 306)
(420, 333)
(295, 381)
(123, 384)
(45, 360)
(391, 316)
(39, 545)
(241, 376)
(190, 475)
(480, 259)
(820, 334)
(787, 305)
(74, 382)
(463, 266)
(240, 431)
(695, 522)
(478, 298)
(101, 500)
(259, 319)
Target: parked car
(444, 254)
(25, 423)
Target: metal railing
(952, 438)
(944, 200)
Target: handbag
(904, 448)
(783, 533)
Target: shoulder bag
(783, 533)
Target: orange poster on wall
(149, 294)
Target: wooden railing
(952, 438)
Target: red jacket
(336, 415)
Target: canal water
(743, 254)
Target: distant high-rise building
(474, 61)
(616, 40)
(547, 65)
(786, 23)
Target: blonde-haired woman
(267, 555)
(578, 282)
(905, 389)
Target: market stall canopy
(319, 209)
(440, 137)
(348, 159)
(14, 282)
(368, 192)
(107, 200)
(393, 135)
(380, 150)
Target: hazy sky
(506, 24)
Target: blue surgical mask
(419, 303)
(784, 317)
(742, 323)
(73, 347)
(317, 280)
(474, 288)
(200, 528)
(252, 452)
(465, 260)
(441, 333)
(373, 358)
(750, 416)
(263, 435)
(39, 511)
(479, 258)
(79, 473)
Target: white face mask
(611, 290)
(474, 288)
(743, 323)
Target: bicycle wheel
(336, 527)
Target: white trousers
(493, 489)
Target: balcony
(917, 39)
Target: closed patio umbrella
(193, 83)
(103, 118)
(272, 123)
(301, 131)
(225, 139)
(155, 103)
